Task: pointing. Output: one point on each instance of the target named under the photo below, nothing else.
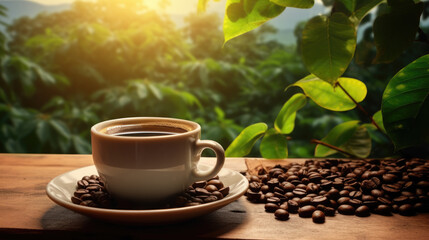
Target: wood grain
(27, 213)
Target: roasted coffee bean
(284, 206)
(363, 211)
(88, 203)
(274, 182)
(401, 200)
(304, 201)
(271, 207)
(201, 191)
(326, 185)
(278, 190)
(391, 188)
(344, 193)
(254, 178)
(299, 192)
(368, 198)
(406, 210)
(202, 184)
(78, 193)
(346, 209)
(318, 216)
(217, 194)
(92, 181)
(82, 183)
(211, 188)
(281, 214)
(265, 189)
(383, 200)
(383, 209)
(377, 193)
(306, 211)
(75, 200)
(333, 194)
(329, 211)
(355, 203)
(319, 200)
(355, 194)
(343, 200)
(210, 199)
(287, 186)
(273, 200)
(190, 204)
(255, 186)
(216, 182)
(293, 206)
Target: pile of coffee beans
(91, 192)
(320, 188)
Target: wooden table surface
(27, 213)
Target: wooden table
(27, 213)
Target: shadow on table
(65, 224)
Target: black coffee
(143, 134)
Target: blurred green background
(66, 69)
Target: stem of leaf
(359, 106)
(333, 147)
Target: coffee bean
(210, 199)
(202, 184)
(217, 194)
(333, 194)
(201, 191)
(377, 193)
(363, 211)
(82, 183)
(346, 209)
(319, 200)
(287, 186)
(299, 192)
(224, 191)
(210, 188)
(304, 201)
(281, 214)
(306, 211)
(318, 216)
(406, 210)
(383, 209)
(293, 206)
(190, 204)
(254, 178)
(284, 206)
(216, 182)
(75, 200)
(271, 207)
(343, 200)
(355, 203)
(329, 211)
(391, 188)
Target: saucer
(61, 189)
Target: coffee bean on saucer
(215, 182)
(199, 184)
(224, 191)
(211, 188)
(281, 214)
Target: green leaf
(359, 144)
(338, 136)
(294, 3)
(333, 98)
(285, 121)
(328, 45)
(60, 128)
(244, 16)
(43, 131)
(274, 145)
(396, 30)
(242, 145)
(155, 90)
(357, 9)
(378, 118)
(405, 105)
(81, 145)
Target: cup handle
(199, 175)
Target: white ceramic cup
(150, 168)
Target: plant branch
(359, 106)
(333, 147)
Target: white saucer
(61, 189)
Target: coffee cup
(148, 159)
